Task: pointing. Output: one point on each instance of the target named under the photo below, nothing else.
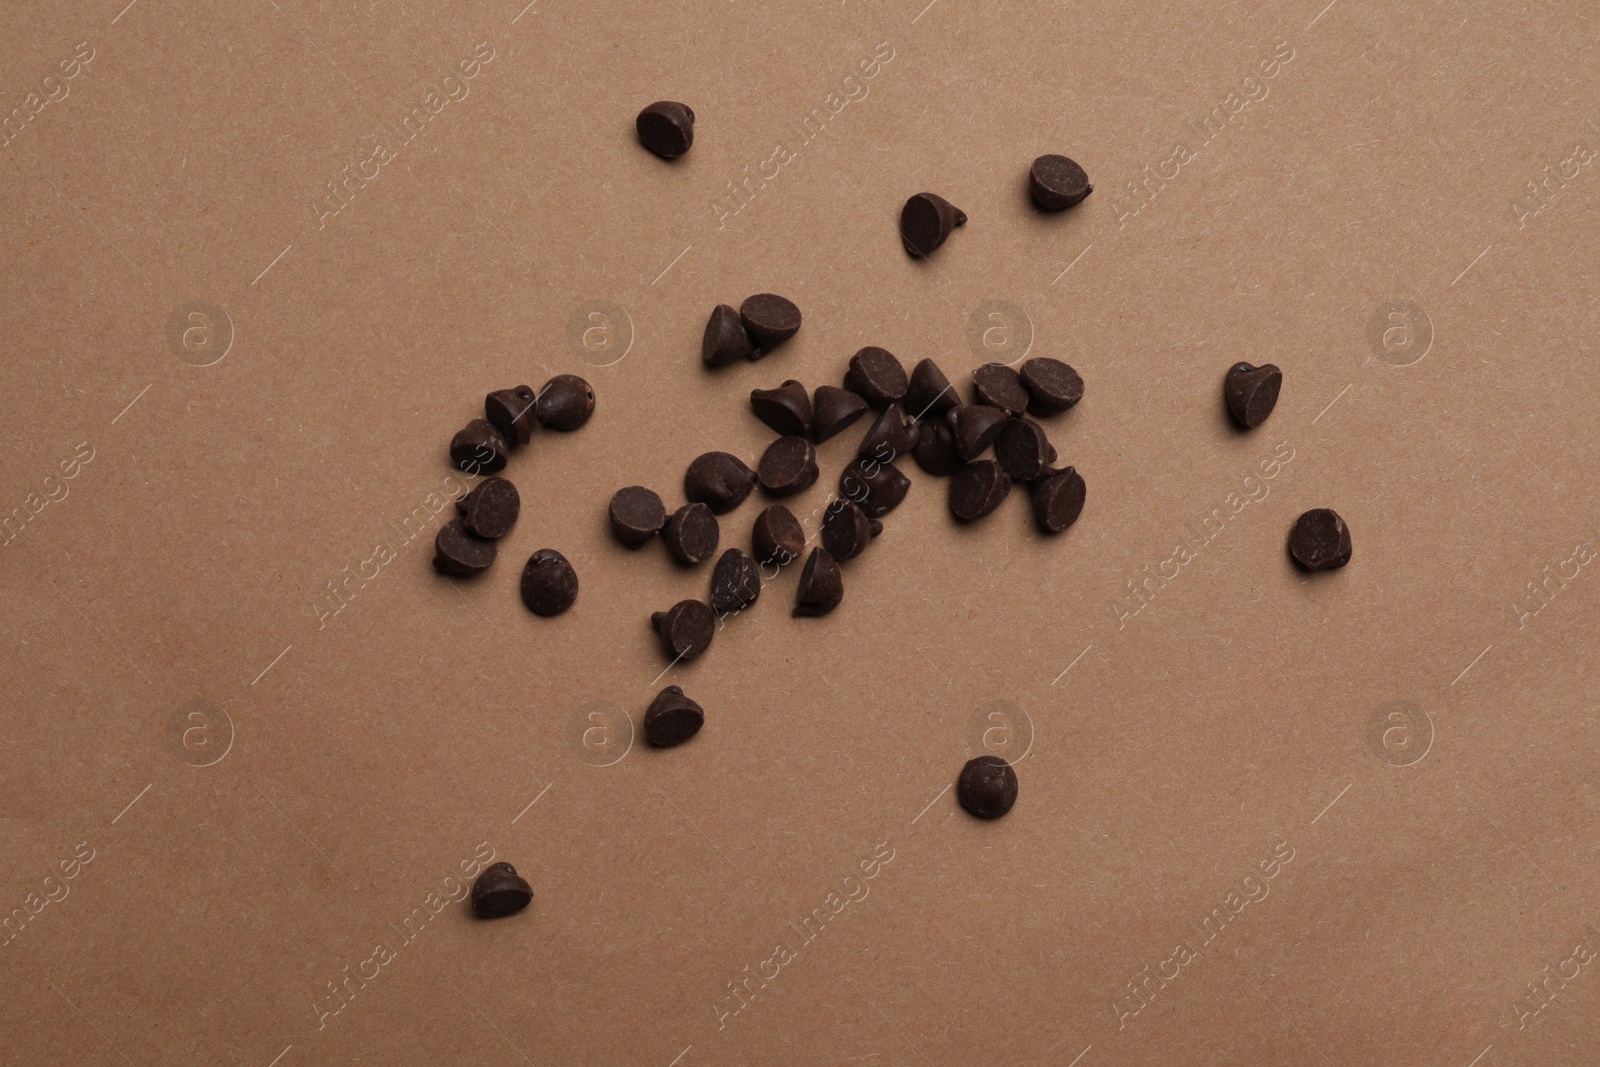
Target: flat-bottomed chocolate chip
(637, 514)
(936, 447)
(777, 537)
(846, 530)
(724, 341)
(1057, 183)
(565, 403)
(1023, 450)
(1000, 387)
(926, 222)
(769, 320)
(891, 434)
(975, 427)
(478, 448)
(877, 487)
(692, 534)
(929, 393)
(1320, 540)
(1251, 392)
(719, 480)
(500, 891)
(666, 128)
(686, 629)
(787, 409)
(821, 585)
(987, 787)
(549, 584)
(977, 489)
(1052, 385)
(876, 376)
(789, 465)
(1058, 500)
(458, 551)
(834, 409)
(735, 582)
(672, 718)
(491, 509)
(510, 412)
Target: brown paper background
(373, 752)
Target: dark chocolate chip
(1052, 385)
(549, 584)
(510, 411)
(926, 221)
(491, 509)
(936, 448)
(686, 629)
(833, 410)
(892, 434)
(692, 533)
(724, 341)
(672, 718)
(987, 787)
(876, 376)
(1000, 387)
(1024, 452)
(637, 514)
(877, 487)
(846, 530)
(786, 409)
(1320, 540)
(777, 537)
(500, 891)
(457, 551)
(1058, 500)
(769, 320)
(719, 480)
(977, 489)
(735, 582)
(821, 585)
(478, 448)
(565, 403)
(929, 393)
(976, 426)
(666, 128)
(789, 465)
(1056, 182)
(1251, 392)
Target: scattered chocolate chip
(672, 718)
(1056, 182)
(876, 376)
(1058, 499)
(549, 584)
(491, 509)
(926, 221)
(500, 891)
(821, 585)
(846, 530)
(735, 582)
(1251, 392)
(936, 448)
(1000, 387)
(892, 434)
(458, 551)
(724, 341)
(976, 426)
(1052, 385)
(666, 128)
(987, 787)
(637, 514)
(719, 480)
(565, 403)
(478, 448)
(977, 489)
(929, 393)
(789, 465)
(777, 537)
(1320, 541)
(692, 534)
(1022, 448)
(769, 320)
(686, 629)
(510, 411)
(833, 410)
(786, 409)
(877, 487)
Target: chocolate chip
(876, 376)
(565, 403)
(1000, 387)
(877, 487)
(987, 787)
(846, 530)
(735, 582)
(666, 128)
(769, 320)
(786, 409)
(500, 891)
(549, 584)
(936, 448)
(821, 585)
(724, 341)
(692, 533)
(637, 514)
(1058, 500)
(1056, 182)
(926, 221)
(977, 489)
(789, 465)
(1052, 385)
(719, 480)
(777, 537)
(833, 410)
(929, 393)
(976, 426)
(1251, 392)
(457, 551)
(1320, 541)
(1022, 448)
(478, 448)
(892, 434)
(491, 509)
(672, 718)
(510, 411)
(686, 629)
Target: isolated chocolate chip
(877, 487)
(786, 409)
(834, 409)
(724, 341)
(876, 376)
(510, 411)
(1058, 500)
(929, 393)
(637, 514)
(1251, 392)
(735, 582)
(692, 534)
(491, 509)
(892, 434)
(987, 787)
(769, 320)
(821, 585)
(977, 489)
(500, 891)
(549, 584)
(457, 551)
(1000, 387)
(789, 465)
(1023, 450)
(1052, 385)
(719, 480)
(686, 629)
(936, 448)
(976, 426)
(926, 221)
(666, 128)
(846, 530)
(777, 537)
(565, 403)
(478, 448)
(1056, 182)
(672, 718)
(1320, 540)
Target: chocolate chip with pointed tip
(724, 341)
(834, 409)
(456, 550)
(777, 537)
(821, 585)
(1320, 540)
(1251, 392)
(846, 530)
(936, 448)
(975, 426)
(691, 534)
(500, 891)
(977, 489)
(787, 409)
(478, 448)
(876, 376)
(1000, 387)
(1058, 499)
(1052, 385)
(719, 480)
(929, 393)
(685, 629)
(788, 466)
(491, 509)
(672, 718)
(565, 403)
(1057, 183)
(769, 320)
(926, 222)
(510, 411)
(735, 582)
(891, 434)
(987, 787)
(1023, 450)
(666, 128)
(637, 514)
(878, 487)
(549, 584)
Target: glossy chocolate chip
(735, 582)
(1320, 540)
(876, 376)
(976, 426)
(1056, 183)
(458, 551)
(926, 222)
(846, 530)
(724, 341)
(1058, 500)
(821, 585)
(929, 393)
(891, 434)
(719, 480)
(491, 509)
(672, 718)
(977, 489)
(666, 128)
(686, 629)
(478, 448)
(500, 891)
(1000, 387)
(565, 403)
(987, 787)
(637, 514)
(769, 320)
(549, 584)
(936, 448)
(1023, 450)
(1251, 392)
(692, 534)
(510, 412)
(834, 409)
(1052, 385)
(878, 487)
(777, 537)
(787, 409)
(789, 465)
